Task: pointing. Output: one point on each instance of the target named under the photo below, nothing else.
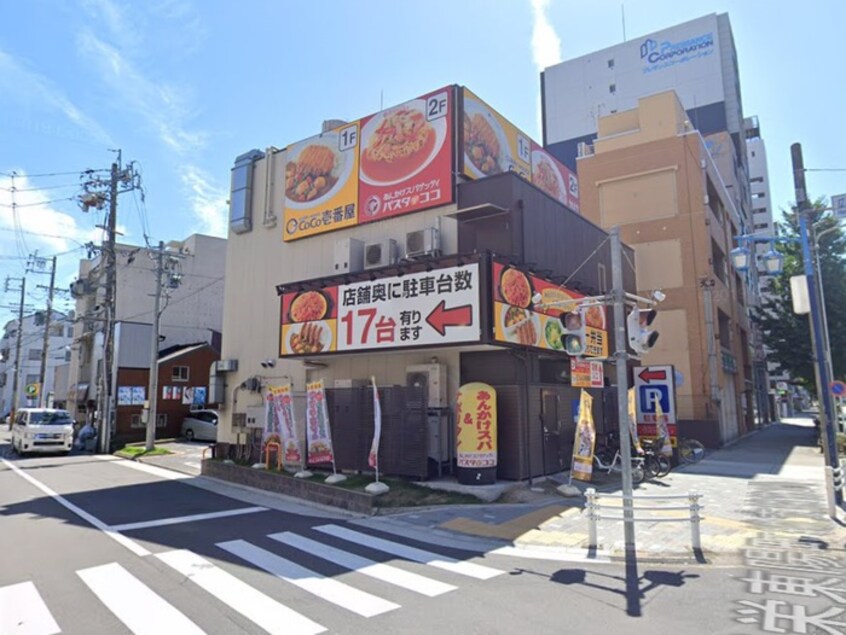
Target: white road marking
(550, 553)
(23, 611)
(411, 553)
(338, 593)
(193, 465)
(133, 546)
(378, 570)
(146, 524)
(135, 604)
(149, 469)
(249, 602)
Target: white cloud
(159, 105)
(37, 222)
(546, 45)
(208, 201)
(22, 83)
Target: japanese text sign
(476, 426)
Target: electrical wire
(55, 200)
(585, 261)
(47, 174)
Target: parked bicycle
(610, 460)
(655, 463)
(690, 451)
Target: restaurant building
(406, 246)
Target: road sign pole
(621, 357)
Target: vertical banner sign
(270, 433)
(283, 404)
(585, 439)
(373, 458)
(476, 426)
(663, 431)
(406, 157)
(318, 436)
(632, 410)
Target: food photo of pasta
(399, 143)
(547, 177)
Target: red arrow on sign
(441, 317)
(647, 375)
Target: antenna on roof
(623, 12)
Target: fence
(594, 513)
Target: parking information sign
(654, 386)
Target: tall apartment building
(650, 172)
(32, 343)
(192, 312)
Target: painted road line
(257, 607)
(338, 593)
(411, 553)
(378, 570)
(133, 546)
(193, 465)
(177, 520)
(135, 604)
(148, 469)
(23, 611)
(552, 553)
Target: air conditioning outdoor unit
(349, 255)
(434, 378)
(226, 365)
(423, 243)
(380, 254)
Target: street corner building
(407, 246)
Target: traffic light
(575, 342)
(641, 338)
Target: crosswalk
(298, 564)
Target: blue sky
(183, 86)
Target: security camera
(658, 295)
(268, 363)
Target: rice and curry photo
(312, 174)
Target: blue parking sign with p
(651, 395)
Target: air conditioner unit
(423, 243)
(380, 254)
(434, 377)
(226, 365)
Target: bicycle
(690, 451)
(616, 464)
(655, 463)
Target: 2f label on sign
(436, 106)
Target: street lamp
(742, 256)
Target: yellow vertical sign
(475, 434)
(633, 421)
(662, 431)
(585, 439)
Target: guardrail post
(590, 506)
(830, 484)
(695, 535)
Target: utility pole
(42, 393)
(152, 396)
(818, 333)
(15, 377)
(621, 357)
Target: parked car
(200, 425)
(42, 430)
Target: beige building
(651, 173)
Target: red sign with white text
(406, 157)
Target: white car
(200, 425)
(42, 430)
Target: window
(612, 88)
(31, 379)
(603, 279)
(759, 195)
(761, 225)
(611, 63)
(69, 332)
(67, 355)
(756, 179)
(34, 354)
(718, 260)
(753, 153)
(135, 422)
(57, 330)
(179, 373)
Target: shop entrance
(556, 446)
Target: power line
(46, 174)
(55, 200)
(825, 169)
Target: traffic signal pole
(621, 357)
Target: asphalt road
(104, 546)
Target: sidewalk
(772, 480)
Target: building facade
(32, 343)
(409, 291)
(192, 308)
(651, 173)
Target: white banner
(373, 459)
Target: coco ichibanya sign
(427, 308)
